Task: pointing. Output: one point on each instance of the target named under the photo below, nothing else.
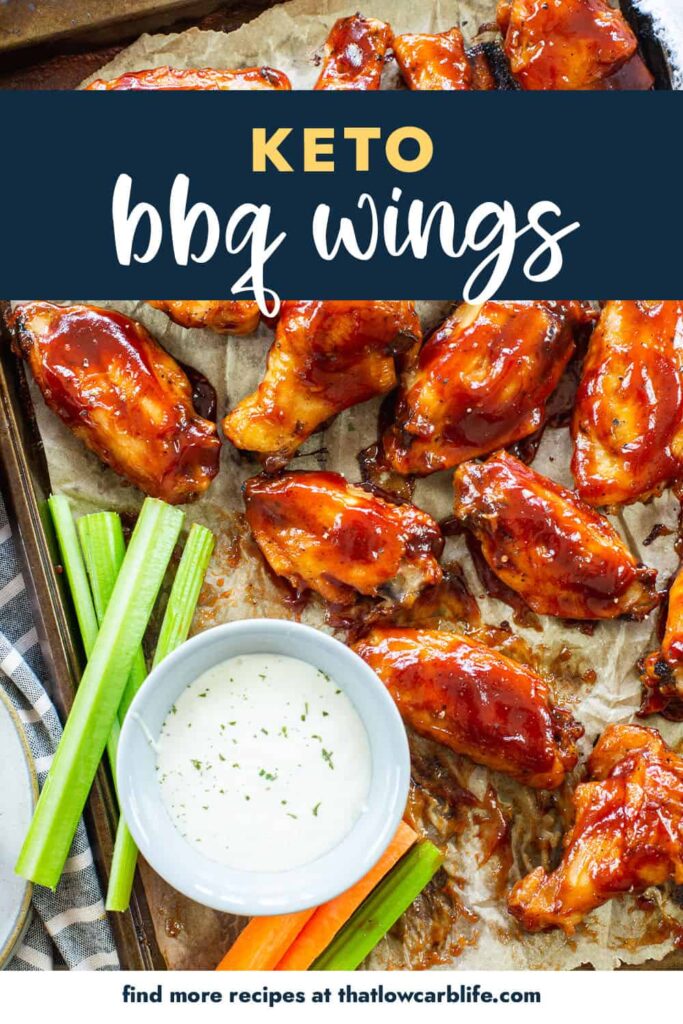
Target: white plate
(18, 793)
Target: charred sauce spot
(657, 531)
(560, 404)
(451, 527)
(432, 775)
(380, 478)
(660, 926)
(660, 695)
(204, 397)
(374, 470)
(439, 925)
(494, 832)
(426, 933)
(483, 69)
(587, 628)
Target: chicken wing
(326, 357)
(222, 317)
(481, 381)
(433, 61)
(571, 44)
(119, 392)
(194, 79)
(627, 836)
(324, 534)
(354, 54)
(628, 418)
(477, 702)
(559, 554)
(662, 671)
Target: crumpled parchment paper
(481, 935)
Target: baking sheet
(481, 934)
(25, 486)
(238, 586)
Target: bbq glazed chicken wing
(195, 79)
(627, 836)
(433, 61)
(354, 54)
(481, 381)
(114, 386)
(326, 357)
(240, 317)
(322, 533)
(628, 417)
(571, 44)
(559, 554)
(477, 702)
(662, 671)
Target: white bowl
(272, 892)
(18, 795)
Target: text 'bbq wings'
(324, 534)
(481, 382)
(354, 54)
(627, 835)
(628, 418)
(475, 701)
(326, 357)
(558, 553)
(436, 61)
(195, 79)
(240, 317)
(571, 44)
(125, 397)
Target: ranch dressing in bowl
(263, 763)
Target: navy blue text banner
(405, 195)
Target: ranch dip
(263, 763)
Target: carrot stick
(382, 909)
(317, 934)
(264, 941)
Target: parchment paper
(482, 935)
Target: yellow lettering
(314, 148)
(362, 136)
(424, 154)
(264, 149)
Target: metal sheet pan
(24, 23)
(25, 487)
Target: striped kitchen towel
(73, 918)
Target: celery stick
(381, 909)
(84, 602)
(122, 874)
(104, 549)
(72, 561)
(175, 627)
(98, 697)
(182, 601)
